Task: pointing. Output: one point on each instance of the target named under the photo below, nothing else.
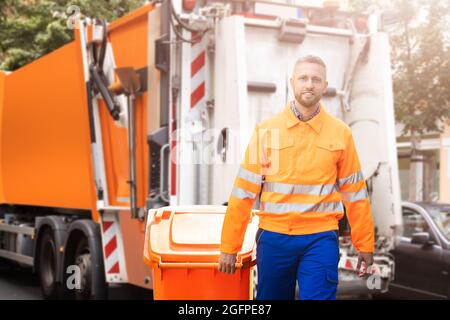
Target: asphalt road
(21, 284)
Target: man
(303, 164)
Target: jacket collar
(315, 123)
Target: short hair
(311, 59)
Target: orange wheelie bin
(182, 246)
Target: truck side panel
(129, 44)
(45, 155)
(132, 41)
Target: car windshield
(441, 216)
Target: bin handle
(197, 265)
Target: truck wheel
(89, 288)
(47, 265)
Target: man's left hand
(367, 258)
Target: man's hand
(367, 258)
(227, 262)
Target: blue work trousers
(310, 259)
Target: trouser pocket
(332, 277)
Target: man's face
(309, 83)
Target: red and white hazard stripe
(198, 63)
(111, 255)
(195, 102)
(112, 248)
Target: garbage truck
(155, 109)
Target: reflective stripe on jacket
(305, 173)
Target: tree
(30, 29)
(421, 70)
(421, 77)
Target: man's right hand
(367, 258)
(227, 262)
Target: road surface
(22, 284)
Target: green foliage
(421, 58)
(16, 58)
(420, 61)
(32, 28)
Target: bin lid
(191, 234)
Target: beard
(307, 103)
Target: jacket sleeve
(246, 188)
(355, 197)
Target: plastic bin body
(182, 245)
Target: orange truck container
(182, 247)
(65, 182)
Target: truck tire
(84, 255)
(47, 268)
(83, 261)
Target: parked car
(422, 253)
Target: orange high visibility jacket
(302, 171)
